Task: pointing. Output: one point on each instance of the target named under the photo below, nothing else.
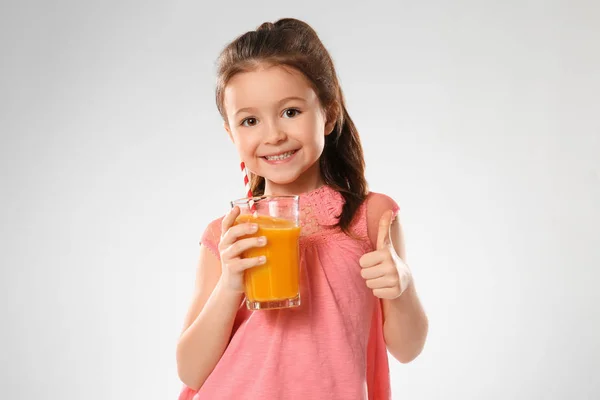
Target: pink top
(332, 345)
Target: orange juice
(278, 278)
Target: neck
(307, 182)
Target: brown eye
(291, 112)
(249, 122)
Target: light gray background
(480, 118)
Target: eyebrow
(280, 102)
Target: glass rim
(246, 200)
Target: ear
(228, 129)
(329, 127)
(331, 119)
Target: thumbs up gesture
(383, 270)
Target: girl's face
(276, 121)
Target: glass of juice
(274, 284)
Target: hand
(383, 270)
(231, 248)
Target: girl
(283, 108)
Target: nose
(274, 134)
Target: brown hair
(295, 44)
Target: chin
(284, 177)
(282, 180)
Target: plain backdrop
(480, 118)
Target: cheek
(318, 143)
(243, 142)
(312, 133)
(318, 137)
(246, 146)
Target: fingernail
(262, 259)
(262, 240)
(254, 227)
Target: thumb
(383, 235)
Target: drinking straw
(248, 189)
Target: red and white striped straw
(248, 188)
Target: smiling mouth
(281, 156)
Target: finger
(235, 232)
(382, 282)
(243, 264)
(383, 235)
(237, 248)
(229, 219)
(371, 259)
(372, 272)
(387, 293)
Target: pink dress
(332, 346)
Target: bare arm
(208, 324)
(405, 324)
(218, 294)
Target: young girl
(283, 108)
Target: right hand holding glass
(231, 248)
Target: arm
(217, 298)
(208, 323)
(405, 325)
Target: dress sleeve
(186, 393)
(377, 204)
(212, 236)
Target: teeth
(280, 157)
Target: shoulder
(215, 224)
(378, 203)
(212, 234)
